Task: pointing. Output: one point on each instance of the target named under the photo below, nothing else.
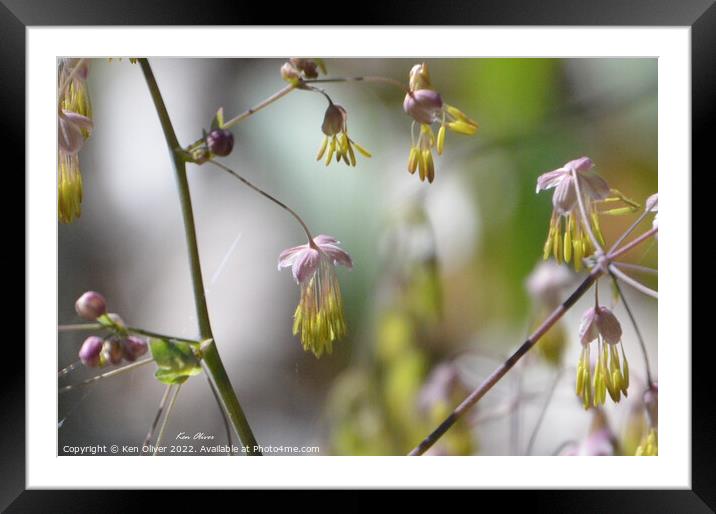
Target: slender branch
(543, 412)
(166, 419)
(227, 427)
(253, 110)
(112, 373)
(628, 231)
(77, 327)
(265, 194)
(370, 78)
(647, 367)
(69, 368)
(613, 270)
(496, 375)
(148, 437)
(633, 243)
(636, 267)
(212, 360)
(249, 112)
(157, 335)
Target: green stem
(213, 363)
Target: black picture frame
(16, 15)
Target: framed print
(383, 256)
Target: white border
(670, 469)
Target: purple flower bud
(600, 321)
(91, 305)
(424, 105)
(134, 347)
(90, 351)
(220, 142)
(334, 121)
(114, 352)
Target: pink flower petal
(337, 255)
(550, 179)
(305, 264)
(288, 256)
(322, 239)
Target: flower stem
(369, 78)
(636, 329)
(112, 373)
(633, 243)
(496, 375)
(617, 273)
(265, 194)
(212, 361)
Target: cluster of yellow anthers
(335, 140)
(610, 371)
(425, 106)
(74, 125)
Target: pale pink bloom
(564, 199)
(69, 130)
(304, 260)
(319, 314)
(600, 321)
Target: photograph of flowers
(357, 256)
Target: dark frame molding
(700, 15)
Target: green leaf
(175, 359)
(218, 121)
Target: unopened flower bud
(289, 73)
(220, 142)
(334, 121)
(652, 203)
(424, 105)
(91, 305)
(114, 352)
(419, 77)
(134, 347)
(307, 66)
(90, 351)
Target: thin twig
(77, 327)
(265, 194)
(636, 267)
(632, 282)
(543, 412)
(112, 373)
(160, 435)
(369, 78)
(647, 367)
(148, 437)
(628, 231)
(633, 243)
(496, 375)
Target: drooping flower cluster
(319, 314)
(425, 106)
(609, 371)
(568, 237)
(336, 141)
(74, 125)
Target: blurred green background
(440, 269)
